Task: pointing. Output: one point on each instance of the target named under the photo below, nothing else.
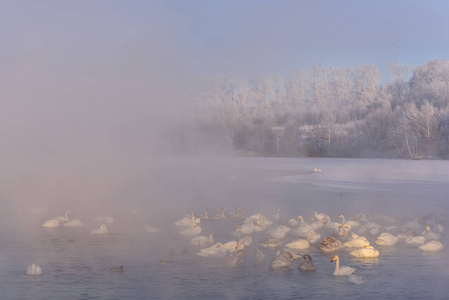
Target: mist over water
(161, 190)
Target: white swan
(195, 229)
(386, 239)
(298, 244)
(313, 237)
(356, 242)
(51, 223)
(412, 226)
(415, 241)
(320, 217)
(295, 222)
(342, 270)
(64, 218)
(282, 261)
(233, 246)
(277, 233)
(202, 241)
(74, 223)
(429, 235)
(188, 221)
(367, 251)
(355, 279)
(246, 240)
(34, 270)
(214, 251)
(258, 256)
(431, 246)
(270, 243)
(246, 229)
(102, 230)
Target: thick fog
(142, 111)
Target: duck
(202, 241)
(34, 270)
(102, 230)
(330, 244)
(386, 239)
(117, 269)
(214, 251)
(307, 263)
(194, 229)
(51, 223)
(235, 259)
(298, 244)
(74, 223)
(342, 270)
(271, 243)
(283, 260)
(366, 252)
(431, 246)
(64, 218)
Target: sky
(75, 74)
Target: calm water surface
(76, 265)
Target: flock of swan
(291, 239)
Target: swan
(282, 261)
(237, 215)
(431, 246)
(303, 230)
(277, 215)
(202, 241)
(255, 217)
(367, 251)
(246, 241)
(262, 224)
(34, 270)
(307, 263)
(370, 227)
(204, 216)
(163, 262)
(386, 239)
(356, 242)
(235, 259)
(295, 222)
(102, 230)
(342, 270)
(188, 221)
(246, 229)
(429, 235)
(220, 216)
(104, 219)
(412, 226)
(214, 251)
(355, 279)
(195, 229)
(117, 269)
(150, 229)
(258, 256)
(296, 253)
(320, 217)
(313, 237)
(330, 244)
(298, 244)
(64, 218)
(51, 223)
(74, 223)
(277, 233)
(233, 246)
(415, 241)
(271, 243)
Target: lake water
(160, 191)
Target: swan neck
(337, 264)
(343, 218)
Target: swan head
(103, 227)
(334, 258)
(307, 256)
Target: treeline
(323, 112)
